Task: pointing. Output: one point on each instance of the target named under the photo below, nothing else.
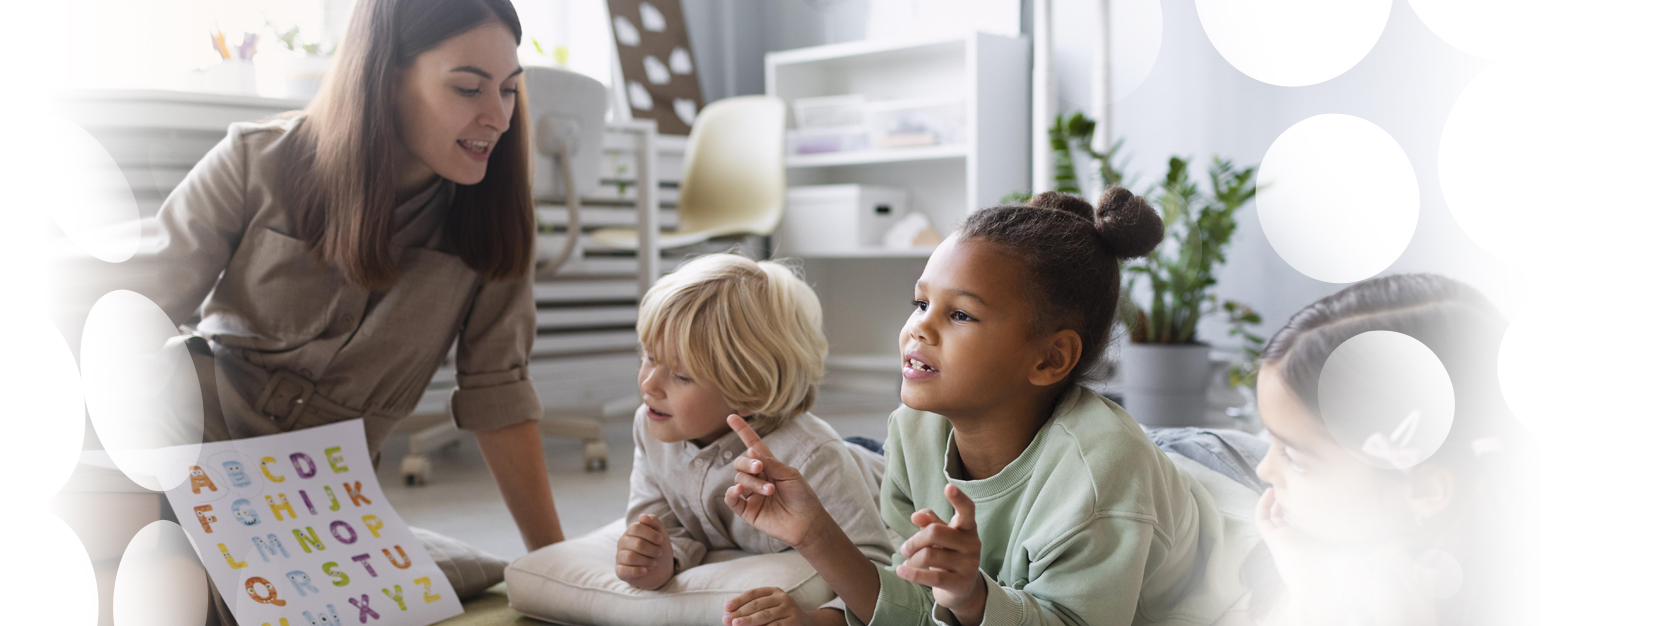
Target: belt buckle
(285, 396)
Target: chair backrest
(571, 106)
(734, 180)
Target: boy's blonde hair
(753, 330)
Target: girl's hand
(644, 556)
(1326, 584)
(769, 495)
(1289, 547)
(767, 605)
(945, 558)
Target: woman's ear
(1432, 489)
(1060, 352)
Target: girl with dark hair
(1023, 497)
(1385, 529)
(324, 262)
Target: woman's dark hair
(1072, 252)
(1464, 330)
(343, 171)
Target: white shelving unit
(989, 74)
(866, 292)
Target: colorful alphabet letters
(308, 538)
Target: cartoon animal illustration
(276, 507)
(199, 479)
(238, 476)
(245, 513)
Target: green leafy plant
(1241, 318)
(291, 41)
(1198, 224)
(1181, 271)
(1069, 135)
(560, 55)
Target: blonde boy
(726, 335)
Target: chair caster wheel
(415, 470)
(596, 455)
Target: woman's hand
(767, 605)
(771, 496)
(945, 558)
(644, 556)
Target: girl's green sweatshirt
(1092, 524)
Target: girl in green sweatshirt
(1022, 497)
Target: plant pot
(304, 75)
(1166, 385)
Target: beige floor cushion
(575, 583)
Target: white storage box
(916, 122)
(828, 220)
(832, 139)
(828, 111)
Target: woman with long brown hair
(326, 261)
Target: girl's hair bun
(1061, 201)
(1128, 225)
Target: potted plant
(306, 63)
(1166, 368)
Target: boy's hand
(771, 496)
(644, 556)
(945, 558)
(767, 605)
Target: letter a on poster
(293, 528)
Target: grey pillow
(469, 570)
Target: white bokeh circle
(160, 581)
(43, 385)
(1491, 29)
(1293, 43)
(49, 577)
(1338, 198)
(1387, 399)
(80, 185)
(141, 389)
(1557, 379)
(1535, 157)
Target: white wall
(729, 38)
(1194, 104)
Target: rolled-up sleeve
(493, 389)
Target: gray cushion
(469, 570)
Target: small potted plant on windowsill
(306, 63)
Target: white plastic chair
(734, 180)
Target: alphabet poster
(294, 530)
